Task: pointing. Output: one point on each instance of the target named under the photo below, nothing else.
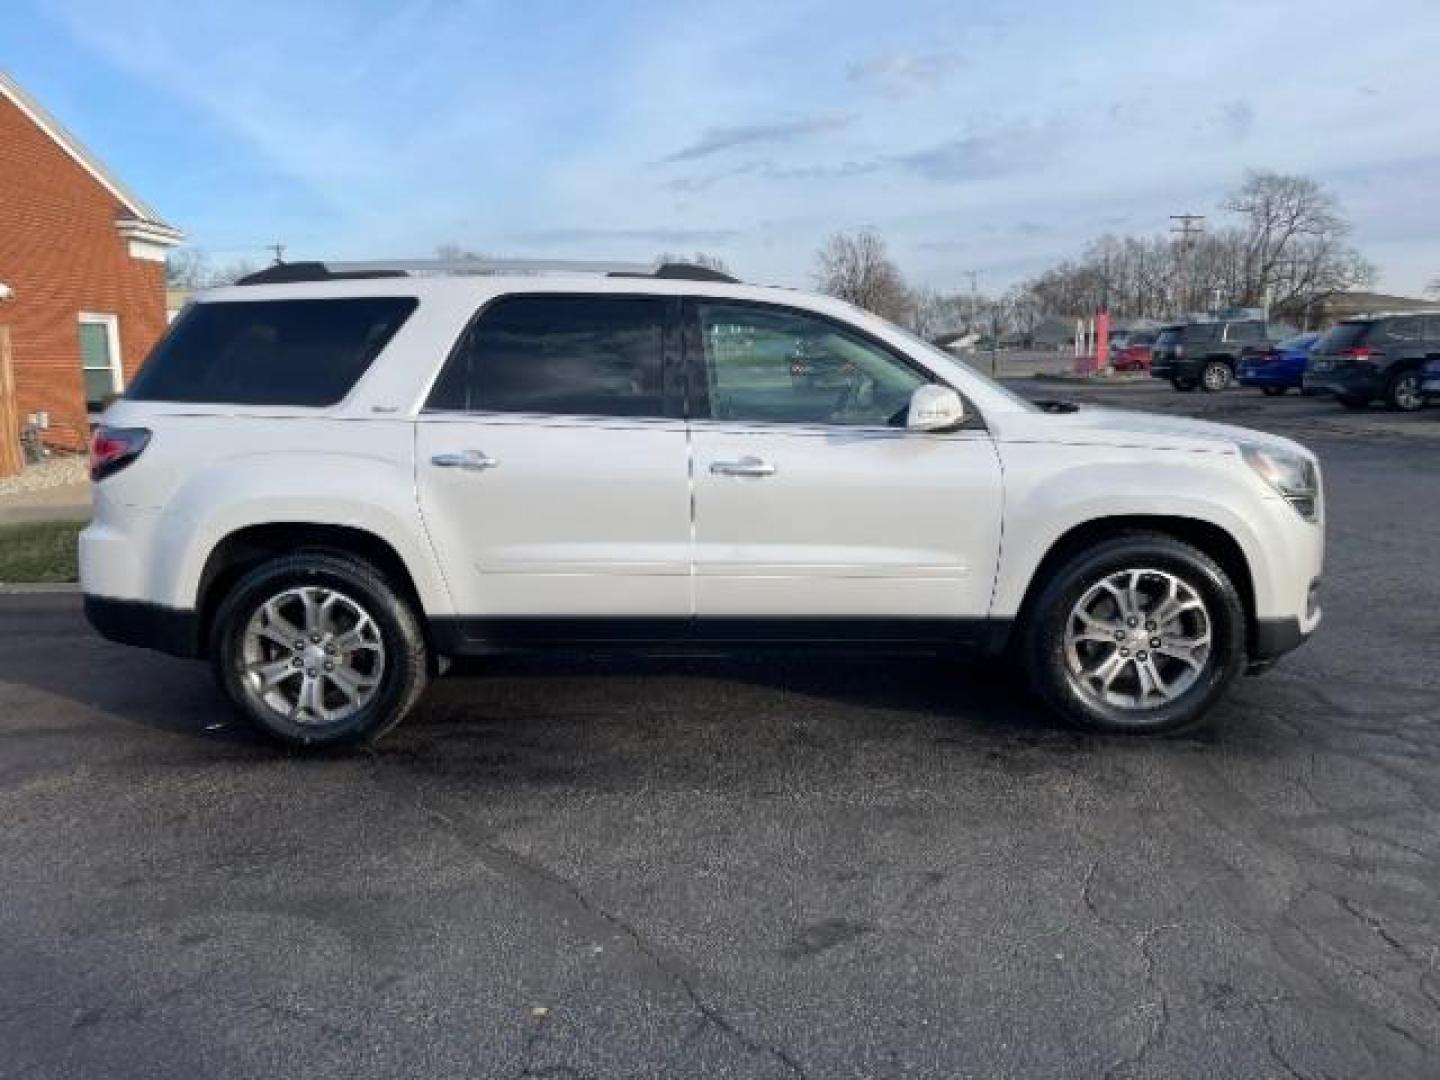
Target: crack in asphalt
(1157, 1032)
(537, 875)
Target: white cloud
(945, 126)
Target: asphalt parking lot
(766, 868)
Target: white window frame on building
(111, 323)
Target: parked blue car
(1276, 368)
(1430, 380)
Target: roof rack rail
(284, 273)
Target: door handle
(746, 466)
(474, 460)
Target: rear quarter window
(270, 352)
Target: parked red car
(1135, 356)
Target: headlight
(1292, 475)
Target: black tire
(1216, 375)
(1351, 401)
(1044, 647)
(1402, 392)
(1273, 391)
(402, 674)
(1183, 385)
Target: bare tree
(1293, 236)
(187, 268)
(191, 268)
(856, 267)
(932, 313)
(1286, 247)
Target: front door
(813, 502)
(551, 465)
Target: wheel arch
(1214, 540)
(243, 549)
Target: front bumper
(1170, 368)
(1274, 637)
(1350, 382)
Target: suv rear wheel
(1140, 634)
(1216, 376)
(319, 650)
(1403, 392)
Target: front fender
(1043, 503)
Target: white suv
(329, 480)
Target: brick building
(84, 262)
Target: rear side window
(1168, 337)
(1202, 333)
(270, 352)
(1342, 336)
(1401, 331)
(560, 355)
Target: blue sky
(988, 136)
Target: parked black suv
(1206, 353)
(1375, 356)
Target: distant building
(1332, 307)
(85, 259)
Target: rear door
(813, 503)
(551, 461)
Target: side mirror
(935, 408)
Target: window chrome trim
(552, 420)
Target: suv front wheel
(318, 650)
(1141, 634)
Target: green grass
(42, 551)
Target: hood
(1120, 427)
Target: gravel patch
(62, 470)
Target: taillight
(1360, 352)
(111, 449)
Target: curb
(38, 588)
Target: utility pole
(974, 276)
(279, 250)
(1187, 229)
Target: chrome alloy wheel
(312, 655)
(1216, 376)
(1138, 639)
(1407, 394)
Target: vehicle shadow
(575, 719)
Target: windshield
(934, 350)
(1299, 341)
